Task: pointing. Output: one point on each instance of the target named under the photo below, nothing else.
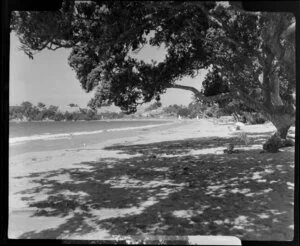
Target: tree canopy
(251, 55)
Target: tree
(68, 116)
(172, 109)
(252, 54)
(184, 112)
(59, 116)
(51, 111)
(153, 106)
(88, 114)
(15, 112)
(214, 85)
(256, 49)
(42, 110)
(26, 108)
(41, 105)
(196, 109)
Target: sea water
(39, 136)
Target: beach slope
(171, 181)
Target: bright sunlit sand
(174, 181)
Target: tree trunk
(282, 122)
(282, 131)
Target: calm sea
(39, 136)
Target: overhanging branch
(201, 96)
(238, 92)
(250, 102)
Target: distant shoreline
(75, 139)
(122, 119)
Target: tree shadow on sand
(163, 189)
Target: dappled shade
(163, 190)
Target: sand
(173, 181)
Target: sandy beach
(169, 180)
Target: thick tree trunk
(275, 91)
(282, 122)
(282, 131)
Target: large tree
(252, 53)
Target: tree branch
(224, 25)
(249, 101)
(201, 96)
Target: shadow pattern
(248, 195)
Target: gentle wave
(47, 136)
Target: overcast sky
(49, 79)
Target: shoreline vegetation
(122, 119)
(27, 112)
(168, 181)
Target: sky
(49, 79)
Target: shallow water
(39, 136)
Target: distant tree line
(233, 108)
(193, 110)
(29, 112)
(40, 112)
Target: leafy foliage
(173, 109)
(153, 106)
(196, 109)
(102, 36)
(193, 110)
(27, 111)
(251, 55)
(41, 105)
(214, 85)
